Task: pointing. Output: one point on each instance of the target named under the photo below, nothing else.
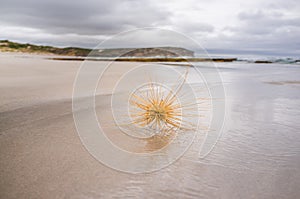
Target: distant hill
(8, 46)
(145, 52)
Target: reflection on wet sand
(126, 142)
(283, 82)
(158, 142)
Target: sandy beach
(257, 156)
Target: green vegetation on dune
(8, 46)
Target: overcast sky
(258, 26)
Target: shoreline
(146, 59)
(55, 57)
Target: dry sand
(42, 156)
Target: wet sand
(257, 156)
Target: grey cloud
(260, 22)
(266, 29)
(195, 27)
(270, 25)
(86, 17)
